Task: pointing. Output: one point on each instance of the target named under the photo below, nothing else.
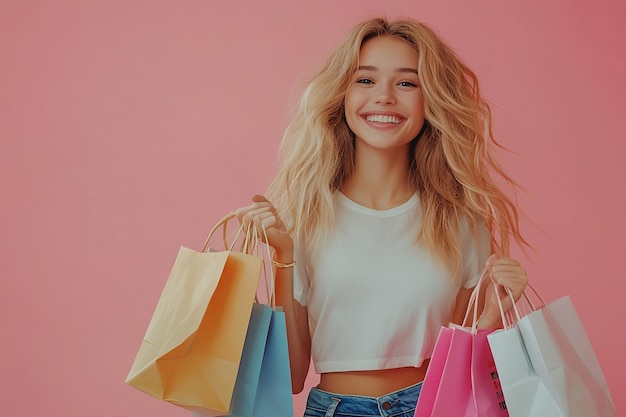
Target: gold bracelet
(282, 265)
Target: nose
(384, 94)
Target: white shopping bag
(547, 366)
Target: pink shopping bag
(462, 380)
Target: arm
(296, 317)
(261, 212)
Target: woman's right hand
(262, 214)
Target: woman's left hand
(504, 272)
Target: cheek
(419, 114)
(351, 102)
(351, 120)
(351, 106)
(418, 108)
(422, 104)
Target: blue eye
(364, 81)
(407, 84)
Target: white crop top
(375, 298)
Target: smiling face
(384, 104)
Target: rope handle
(270, 292)
(222, 222)
(507, 318)
(509, 322)
(250, 244)
(474, 300)
(247, 243)
(271, 288)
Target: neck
(380, 179)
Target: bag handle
(222, 222)
(509, 323)
(270, 292)
(474, 300)
(246, 245)
(271, 287)
(506, 322)
(251, 244)
(530, 303)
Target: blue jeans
(395, 404)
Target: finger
(510, 279)
(514, 284)
(508, 270)
(261, 203)
(243, 211)
(257, 198)
(265, 220)
(509, 273)
(495, 261)
(249, 216)
(253, 210)
(516, 287)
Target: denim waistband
(388, 405)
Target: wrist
(284, 254)
(283, 265)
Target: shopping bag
(274, 395)
(547, 366)
(263, 386)
(461, 379)
(249, 375)
(191, 351)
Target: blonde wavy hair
(451, 164)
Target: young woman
(383, 216)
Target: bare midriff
(372, 383)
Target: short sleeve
(301, 280)
(476, 251)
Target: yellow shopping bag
(191, 352)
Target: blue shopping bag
(247, 384)
(274, 397)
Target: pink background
(129, 127)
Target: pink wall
(128, 128)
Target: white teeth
(382, 119)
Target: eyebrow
(373, 68)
